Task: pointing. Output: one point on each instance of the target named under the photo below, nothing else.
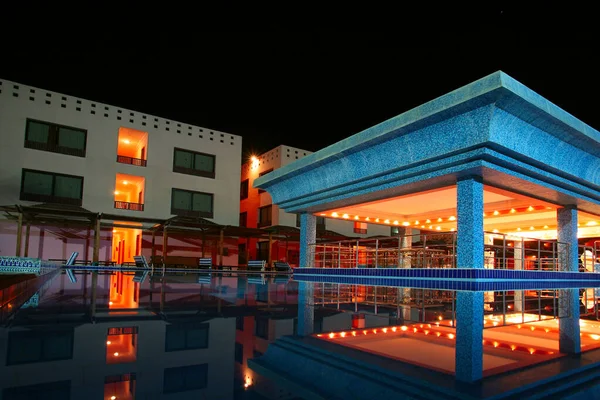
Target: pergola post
(96, 253)
(19, 234)
(270, 257)
(203, 240)
(26, 251)
(86, 250)
(165, 251)
(221, 233)
(153, 250)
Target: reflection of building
(62, 150)
(130, 348)
(258, 211)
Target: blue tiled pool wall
(450, 273)
(441, 284)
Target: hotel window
(186, 336)
(244, 189)
(47, 187)
(262, 327)
(360, 227)
(191, 204)
(39, 346)
(181, 379)
(261, 174)
(320, 222)
(52, 390)
(121, 345)
(55, 138)
(265, 216)
(193, 163)
(244, 219)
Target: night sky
(307, 89)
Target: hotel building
(258, 211)
(77, 154)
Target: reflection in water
(134, 336)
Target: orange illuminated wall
(121, 345)
(126, 243)
(124, 292)
(129, 189)
(132, 144)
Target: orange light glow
(403, 328)
(384, 330)
(108, 342)
(364, 332)
(353, 333)
(116, 354)
(450, 336)
(531, 351)
(331, 335)
(343, 334)
(496, 344)
(394, 329)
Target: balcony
(129, 192)
(124, 205)
(131, 160)
(132, 147)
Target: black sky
(308, 89)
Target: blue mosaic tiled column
(308, 235)
(306, 309)
(469, 336)
(568, 299)
(469, 305)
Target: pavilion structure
(492, 157)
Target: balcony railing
(124, 205)
(438, 250)
(130, 160)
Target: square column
(469, 305)
(308, 235)
(568, 299)
(306, 309)
(469, 336)
(469, 209)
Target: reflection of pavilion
(489, 165)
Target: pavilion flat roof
(532, 108)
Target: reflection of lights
(450, 336)
(116, 354)
(113, 397)
(108, 342)
(345, 216)
(428, 221)
(439, 219)
(513, 347)
(343, 334)
(452, 218)
(406, 223)
(394, 329)
(530, 208)
(126, 141)
(595, 337)
(331, 335)
(110, 303)
(496, 344)
(496, 212)
(384, 330)
(403, 328)
(353, 333)
(512, 211)
(247, 382)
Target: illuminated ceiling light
(530, 208)
(496, 212)
(428, 221)
(531, 228)
(519, 229)
(367, 219)
(512, 211)
(484, 215)
(439, 219)
(387, 221)
(126, 141)
(406, 223)
(417, 222)
(548, 208)
(545, 226)
(452, 218)
(430, 226)
(422, 226)
(116, 354)
(334, 214)
(125, 182)
(439, 228)
(108, 342)
(345, 216)
(452, 229)
(114, 231)
(323, 214)
(377, 220)
(592, 223)
(110, 303)
(395, 222)
(356, 217)
(495, 231)
(116, 192)
(113, 397)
